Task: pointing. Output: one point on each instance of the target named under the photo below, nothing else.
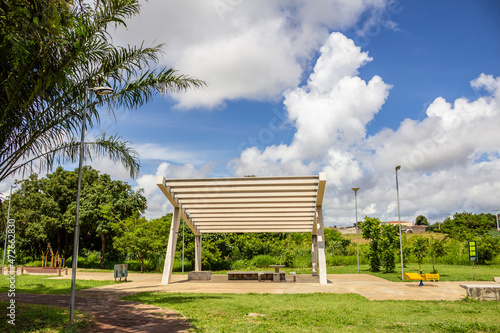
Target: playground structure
(56, 261)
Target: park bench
(248, 275)
(413, 276)
(483, 292)
(427, 277)
(431, 277)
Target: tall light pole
(355, 189)
(74, 261)
(8, 218)
(496, 214)
(183, 224)
(399, 223)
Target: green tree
(420, 247)
(465, 226)
(33, 212)
(388, 243)
(143, 239)
(106, 202)
(421, 220)
(44, 210)
(41, 207)
(487, 248)
(436, 250)
(51, 51)
(371, 230)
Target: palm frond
(46, 72)
(112, 147)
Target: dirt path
(114, 315)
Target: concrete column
(172, 241)
(314, 254)
(321, 247)
(197, 253)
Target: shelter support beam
(197, 253)
(321, 246)
(172, 241)
(314, 254)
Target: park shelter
(247, 204)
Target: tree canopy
(421, 220)
(44, 211)
(51, 52)
(466, 226)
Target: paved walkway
(112, 315)
(366, 285)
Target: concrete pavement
(369, 286)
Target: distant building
(414, 229)
(403, 223)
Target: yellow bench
(413, 276)
(431, 277)
(416, 276)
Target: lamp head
(102, 90)
(398, 167)
(355, 189)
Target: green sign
(472, 251)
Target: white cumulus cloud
(450, 159)
(242, 49)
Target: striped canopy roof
(247, 204)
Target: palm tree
(51, 52)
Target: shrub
(487, 248)
(263, 261)
(177, 267)
(37, 263)
(240, 264)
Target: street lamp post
(183, 225)
(496, 214)
(74, 261)
(355, 189)
(8, 218)
(399, 223)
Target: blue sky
(393, 85)
(351, 88)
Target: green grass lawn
(446, 272)
(42, 284)
(284, 313)
(325, 313)
(41, 318)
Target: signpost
(472, 256)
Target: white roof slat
(296, 214)
(257, 229)
(250, 205)
(226, 195)
(243, 189)
(198, 220)
(246, 181)
(249, 210)
(311, 198)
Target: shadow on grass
(171, 299)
